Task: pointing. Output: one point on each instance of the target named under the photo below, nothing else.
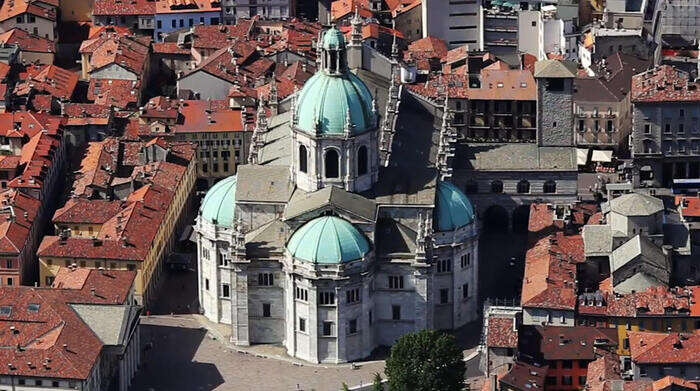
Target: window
(302, 324)
(550, 187)
(395, 282)
(581, 125)
(327, 329)
(190, 22)
(112, 265)
(49, 280)
(10, 281)
(566, 380)
(266, 279)
(444, 296)
(465, 260)
(332, 164)
(647, 128)
(681, 129)
(131, 267)
(551, 381)
(19, 19)
(38, 382)
(326, 298)
(581, 381)
(626, 343)
(266, 310)
(67, 263)
(555, 84)
(225, 290)
(609, 126)
(523, 186)
(303, 159)
(8, 263)
(301, 294)
(370, 317)
(174, 23)
(160, 24)
(362, 160)
(352, 326)
(353, 295)
(667, 128)
(54, 384)
(681, 113)
(206, 283)
(534, 23)
(396, 312)
(443, 265)
(496, 187)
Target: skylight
(5, 310)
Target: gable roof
(302, 202)
(555, 69)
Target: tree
(344, 387)
(425, 361)
(377, 383)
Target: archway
(496, 219)
(521, 218)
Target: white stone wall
(113, 71)
(539, 316)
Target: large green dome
(326, 100)
(453, 209)
(219, 203)
(328, 240)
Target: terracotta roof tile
(27, 42)
(130, 7)
(11, 9)
(662, 348)
(47, 79)
(664, 84)
(502, 332)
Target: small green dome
(219, 203)
(326, 99)
(453, 209)
(333, 39)
(328, 240)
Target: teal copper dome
(328, 240)
(219, 203)
(326, 100)
(452, 208)
(333, 39)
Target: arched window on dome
(362, 160)
(550, 187)
(496, 187)
(332, 163)
(523, 186)
(303, 159)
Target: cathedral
(341, 234)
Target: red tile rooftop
(672, 382)
(27, 42)
(502, 332)
(573, 343)
(11, 9)
(132, 7)
(652, 301)
(664, 348)
(54, 341)
(178, 6)
(664, 84)
(48, 79)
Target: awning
(602, 156)
(645, 168)
(496, 2)
(581, 156)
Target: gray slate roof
(268, 239)
(555, 69)
(636, 247)
(638, 282)
(597, 240)
(635, 204)
(278, 142)
(263, 184)
(109, 322)
(337, 197)
(515, 157)
(395, 238)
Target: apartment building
(267, 9)
(457, 22)
(665, 127)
